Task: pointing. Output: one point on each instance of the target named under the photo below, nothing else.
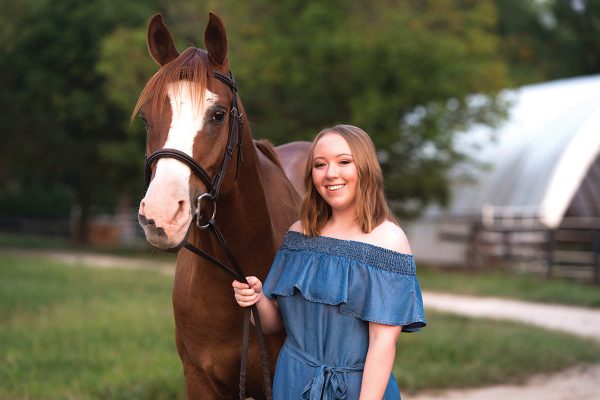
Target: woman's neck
(342, 223)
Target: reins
(213, 187)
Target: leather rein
(213, 187)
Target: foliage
(544, 40)
(404, 71)
(70, 332)
(58, 115)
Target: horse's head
(190, 111)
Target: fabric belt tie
(326, 378)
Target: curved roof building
(545, 158)
(544, 165)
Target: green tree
(404, 71)
(58, 112)
(545, 40)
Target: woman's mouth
(334, 187)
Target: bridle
(213, 187)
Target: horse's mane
(269, 151)
(191, 65)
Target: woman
(343, 283)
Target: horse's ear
(160, 41)
(215, 40)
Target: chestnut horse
(187, 109)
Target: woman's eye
(345, 162)
(319, 165)
(218, 116)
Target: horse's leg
(201, 383)
(202, 386)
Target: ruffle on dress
(366, 281)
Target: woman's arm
(380, 360)
(248, 295)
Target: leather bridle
(213, 187)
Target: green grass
(69, 332)
(504, 284)
(462, 352)
(79, 333)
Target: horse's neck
(243, 217)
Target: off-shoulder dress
(328, 290)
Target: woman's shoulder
(390, 236)
(296, 227)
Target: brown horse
(187, 109)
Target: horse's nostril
(144, 221)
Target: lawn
(71, 332)
(75, 333)
(512, 285)
(455, 351)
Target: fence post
(550, 244)
(507, 245)
(596, 246)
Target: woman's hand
(247, 295)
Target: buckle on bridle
(199, 208)
(236, 114)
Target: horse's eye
(145, 123)
(219, 116)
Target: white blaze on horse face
(167, 201)
(186, 122)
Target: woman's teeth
(334, 187)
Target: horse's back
(293, 158)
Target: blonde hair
(372, 208)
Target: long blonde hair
(372, 208)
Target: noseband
(213, 187)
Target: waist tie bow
(325, 379)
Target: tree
(549, 40)
(404, 71)
(57, 101)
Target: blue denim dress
(328, 290)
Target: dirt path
(578, 321)
(578, 383)
(96, 260)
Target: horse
(190, 108)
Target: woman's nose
(332, 171)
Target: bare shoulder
(296, 227)
(390, 236)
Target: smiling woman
(343, 282)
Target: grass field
(69, 332)
(79, 333)
(512, 285)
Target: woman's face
(334, 172)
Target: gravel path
(578, 383)
(574, 320)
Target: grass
(70, 332)
(79, 333)
(456, 351)
(504, 284)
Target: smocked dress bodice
(328, 290)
